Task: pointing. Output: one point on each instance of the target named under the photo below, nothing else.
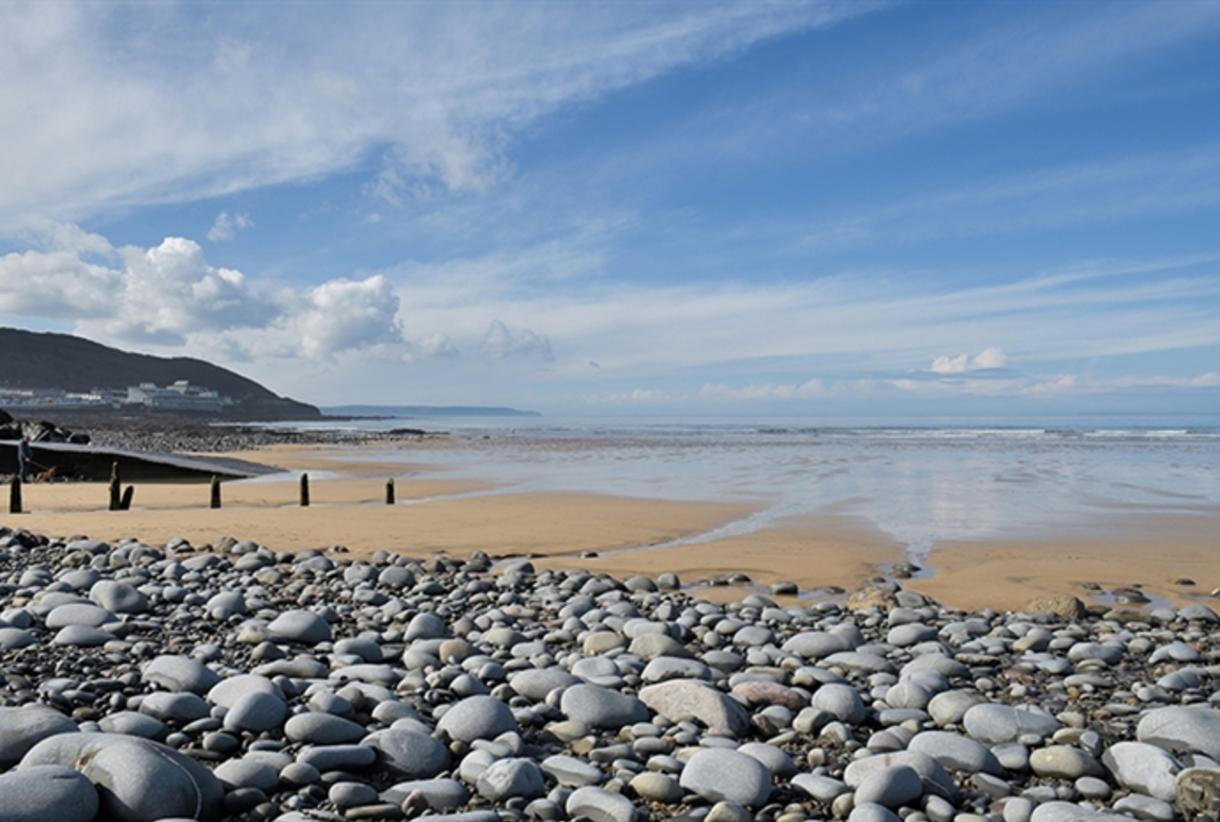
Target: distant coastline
(409, 411)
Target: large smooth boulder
(138, 780)
(47, 792)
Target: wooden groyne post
(389, 491)
(215, 500)
(304, 490)
(116, 500)
(125, 501)
(14, 496)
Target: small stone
(22, 728)
(256, 712)
(345, 795)
(681, 699)
(322, 729)
(180, 673)
(599, 707)
(1198, 791)
(1182, 729)
(305, 627)
(956, 752)
(728, 812)
(571, 772)
(821, 788)
(719, 774)
(657, 787)
(992, 723)
(892, 787)
(1063, 762)
(510, 778)
(1141, 767)
(1065, 606)
(119, 597)
(599, 805)
(841, 701)
(477, 717)
(410, 753)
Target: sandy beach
(815, 553)
(1151, 553)
(454, 515)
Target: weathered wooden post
(14, 496)
(304, 490)
(125, 502)
(215, 502)
(115, 498)
(389, 491)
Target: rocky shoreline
(163, 682)
(180, 434)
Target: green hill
(64, 362)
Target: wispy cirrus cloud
(176, 107)
(1125, 187)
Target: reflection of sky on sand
(920, 485)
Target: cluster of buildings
(178, 396)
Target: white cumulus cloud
(56, 284)
(170, 296)
(226, 226)
(346, 314)
(436, 344)
(163, 293)
(501, 342)
(961, 363)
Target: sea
(919, 481)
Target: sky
(625, 207)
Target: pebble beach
(160, 681)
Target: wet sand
(433, 514)
(439, 514)
(813, 552)
(1150, 552)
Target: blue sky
(615, 208)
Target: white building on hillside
(180, 396)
